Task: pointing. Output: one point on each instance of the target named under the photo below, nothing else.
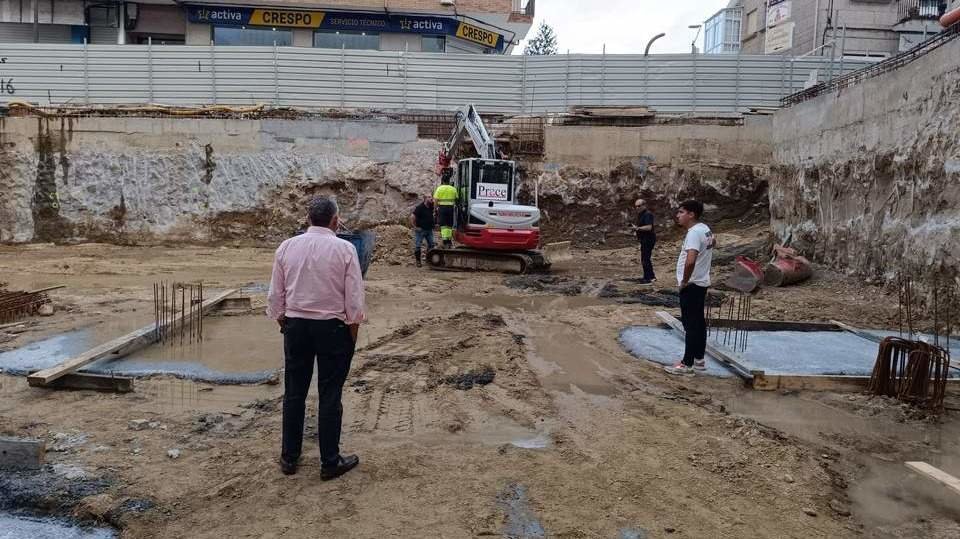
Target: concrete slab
(663, 346)
(235, 350)
(774, 352)
(21, 453)
(13, 526)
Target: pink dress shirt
(316, 275)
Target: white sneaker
(700, 364)
(679, 370)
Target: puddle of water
(187, 395)
(522, 522)
(231, 344)
(809, 419)
(888, 494)
(17, 527)
(497, 431)
(562, 359)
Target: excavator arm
(469, 124)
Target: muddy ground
(480, 405)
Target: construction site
(492, 395)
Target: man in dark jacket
(423, 220)
(647, 238)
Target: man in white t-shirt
(693, 278)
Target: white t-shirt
(699, 237)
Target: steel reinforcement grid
(876, 69)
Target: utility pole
(36, 21)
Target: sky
(583, 26)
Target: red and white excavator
(492, 231)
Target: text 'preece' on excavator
(492, 231)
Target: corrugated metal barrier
(324, 78)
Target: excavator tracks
(461, 259)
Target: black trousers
(692, 301)
(328, 342)
(646, 258)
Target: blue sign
(345, 21)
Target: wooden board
(808, 382)
(21, 453)
(773, 325)
(728, 359)
(82, 380)
(858, 332)
(116, 348)
(936, 474)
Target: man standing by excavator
(446, 200)
(422, 220)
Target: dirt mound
(435, 351)
(430, 374)
(394, 245)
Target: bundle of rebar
(736, 331)
(178, 312)
(15, 305)
(911, 371)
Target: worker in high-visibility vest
(446, 199)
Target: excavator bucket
(557, 252)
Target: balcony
(523, 11)
(524, 8)
(920, 9)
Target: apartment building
(861, 28)
(441, 26)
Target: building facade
(453, 26)
(721, 33)
(860, 28)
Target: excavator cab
(487, 215)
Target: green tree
(544, 43)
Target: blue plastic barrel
(364, 241)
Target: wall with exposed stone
(868, 177)
(142, 180)
(590, 176)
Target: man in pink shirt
(316, 295)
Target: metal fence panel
(312, 78)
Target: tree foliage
(544, 43)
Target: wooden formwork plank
(936, 474)
(774, 325)
(809, 382)
(117, 347)
(21, 453)
(83, 380)
(858, 332)
(731, 361)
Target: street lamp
(649, 43)
(693, 44)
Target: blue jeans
(421, 234)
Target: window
(227, 35)
(433, 43)
(102, 16)
(752, 22)
(347, 40)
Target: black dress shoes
(344, 465)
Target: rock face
(142, 180)
(867, 178)
(591, 176)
